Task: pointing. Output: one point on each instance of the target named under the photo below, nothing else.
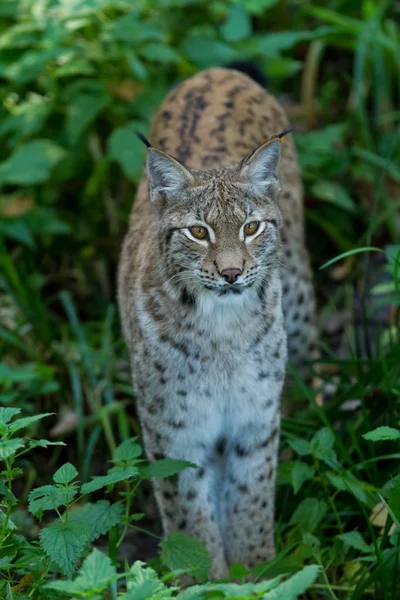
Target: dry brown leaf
(125, 89)
(67, 421)
(15, 206)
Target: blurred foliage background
(78, 77)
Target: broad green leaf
(133, 31)
(166, 467)
(124, 146)
(26, 421)
(128, 451)
(145, 591)
(273, 43)
(238, 24)
(159, 53)
(181, 551)
(100, 516)
(27, 118)
(300, 474)
(322, 445)
(143, 583)
(10, 447)
(82, 111)
(65, 543)
(259, 7)
(205, 51)
(65, 474)
(31, 65)
(17, 230)
(382, 434)
(334, 193)
(300, 446)
(113, 476)
(296, 585)
(349, 483)
(97, 571)
(238, 571)
(6, 414)
(309, 513)
(50, 497)
(354, 539)
(31, 163)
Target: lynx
(214, 284)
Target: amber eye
(251, 227)
(199, 232)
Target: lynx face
(220, 230)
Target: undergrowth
(78, 77)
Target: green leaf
(354, 539)
(128, 451)
(6, 414)
(133, 31)
(273, 43)
(334, 193)
(349, 483)
(309, 513)
(9, 447)
(160, 53)
(238, 24)
(143, 583)
(166, 467)
(238, 571)
(296, 585)
(50, 497)
(300, 446)
(82, 111)
(31, 65)
(100, 516)
(43, 444)
(17, 230)
(64, 544)
(300, 474)
(31, 163)
(65, 474)
(205, 51)
(144, 591)
(322, 445)
(113, 476)
(26, 421)
(97, 571)
(382, 434)
(350, 253)
(124, 147)
(394, 497)
(181, 551)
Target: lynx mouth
(229, 291)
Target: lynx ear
(261, 168)
(165, 173)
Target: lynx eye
(251, 227)
(199, 232)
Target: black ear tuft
(143, 139)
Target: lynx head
(219, 230)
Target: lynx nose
(231, 274)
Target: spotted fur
(208, 356)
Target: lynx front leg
(191, 507)
(249, 499)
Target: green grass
(78, 78)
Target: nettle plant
(62, 561)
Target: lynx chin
(214, 286)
